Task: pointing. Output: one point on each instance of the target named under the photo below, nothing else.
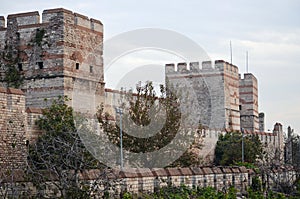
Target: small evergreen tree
(229, 149)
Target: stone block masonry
(13, 129)
(249, 102)
(216, 88)
(147, 180)
(32, 132)
(61, 54)
(227, 100)
(56, 56)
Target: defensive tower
(216, 88)
(56, 56)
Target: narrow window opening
(18, 35)
(92, 26)
(40, 64)
(240, 107)
(77, 66)
(20, 66)
(91, 69)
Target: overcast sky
(268, 30)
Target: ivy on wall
(39, 36)
(11, 74)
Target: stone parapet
(216, 86)
(2, 22)
(32, 18)
(55, 55)
(22, 19)
(207, 66)
(149, 180)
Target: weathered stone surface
(249, 102)
(220, 181)
(216, 89)
(261, 118)
(13, 129)
(60, 55)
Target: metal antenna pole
(121, 140)
(120, 111)
(230, 53)
(247, 61)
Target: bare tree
(59, 163)
(275, 174)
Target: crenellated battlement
(33, 18)
(206, 66)
(249, 77)
(2, 22)
(182, 67)
(216, 85)
(54, 48)
(226, 66)
(23, 19)
(194, 66)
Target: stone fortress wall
(13, 128)
(147, 180)
(225, 89)
(62, 55)
(249, 102)
(57, 55)
(233, 100)
(17, 127)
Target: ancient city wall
(53, 53)
(249, 102)
(150, 180)
(144, 180)
(113, 98)
(231, 87)
(261, 120)
(216, 88)
(13, 128)
(33, 132)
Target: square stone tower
(61, 55)
(249, 102)
(216, 88)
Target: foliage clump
(229, 149)
(59, 157)
(39, 35)
(144, 107)
(12, 76)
